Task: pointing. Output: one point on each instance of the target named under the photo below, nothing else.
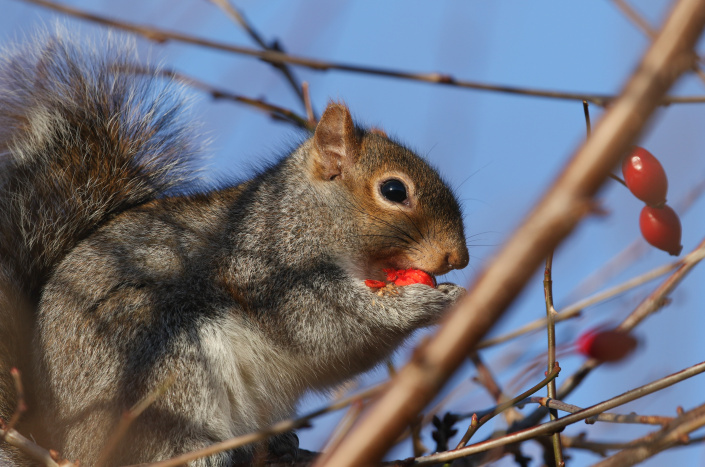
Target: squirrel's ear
(335, 142)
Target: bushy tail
(83, 135)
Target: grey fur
(241, 299)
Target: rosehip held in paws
(661, 227)
(645, 177)
(409, 276)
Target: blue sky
(500, 152)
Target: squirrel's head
(403, 214)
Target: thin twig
(603, 417)
(129, 417)
(479, 420)
(278, 428)
(586, 111)
(275, 111)
(675, 433)
(345, 423)
(601, 447)
(641, 23)
(551, 332)
(310, 114)
(21, 405)
(485, 378)
(12, 437)
(553, 426)
(240, 19)
(160, 35)
(31, 449)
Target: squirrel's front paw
(454, 292)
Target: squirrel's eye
(394, 190)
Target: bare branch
(603, 417)
(489, 414)
(676, 432)
(240, 19)
(160, 35)
(553, 426)
(278, 428)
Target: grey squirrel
(117, 279)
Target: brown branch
(551, 334)
(603, 417)
(675, 433)
(21, 405)
(479, 420)
(560, 210)
(275, 111)
(14, 438)
(641, 23)
(553, 426)
(485, 378)
(240, 19)
(161, 35)
(31, 449)
(129, 417)
(601, 447)
(310, 114)
(278, 428)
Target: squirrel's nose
(458, 258)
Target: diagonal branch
(555, 216)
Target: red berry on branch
(645, 177)
(661, 227)
(606, 345)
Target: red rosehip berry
(606, 345)
(409, 276)
(373, 284)
(661, 227)
(645, 177)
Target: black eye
(394, 190)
